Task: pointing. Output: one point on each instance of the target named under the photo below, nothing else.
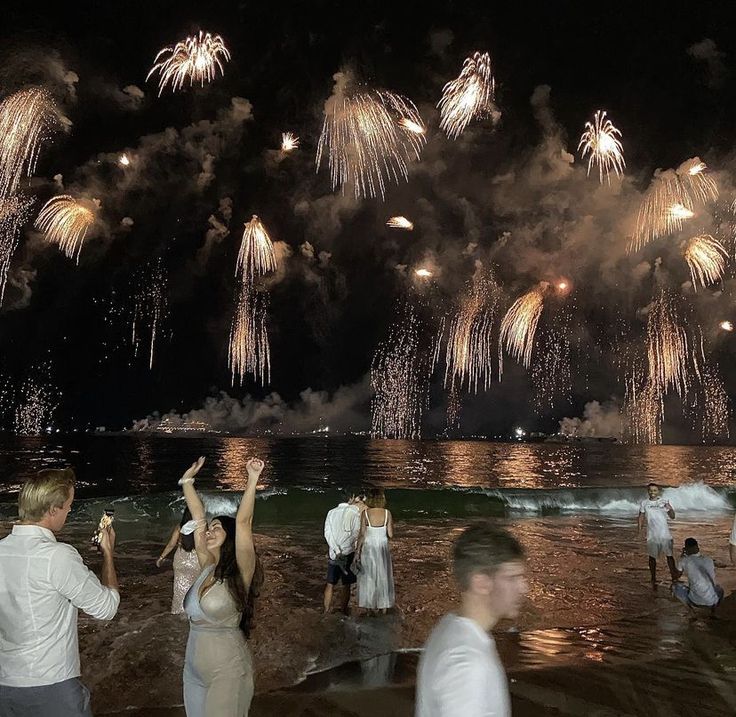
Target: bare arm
(731, 551)
(640, 523)
(390, 525)
(107, 546)
(173, 540)
(361, 535)
(196, 508)
(245, 551)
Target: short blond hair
(376, 499)
(483, 548)
(49, 488)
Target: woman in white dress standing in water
(376, 576)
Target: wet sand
(592, 640)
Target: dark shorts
(63, 699)
(339, 570)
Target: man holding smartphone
(659, 539)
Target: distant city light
(519, 432)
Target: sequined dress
(186, 571)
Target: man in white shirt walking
(460, 673)
(342, 528)
(656, 510)
(42, 585)
(701, 590)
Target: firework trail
(453, 409)
(601, 140)
(197, 59)
(256, 256)
(249, 350)
(150, 307)
(469, 355)
(35, 403)
(65, 222)
(551, 373)
(671, 355)
(468, 97)
(400, 223)
(519, 324)
(28, 118)
(14, 213)
(706, 258)
(366, 141)
(424, 273)
(714, 424)
(643, 410)
(289, 142)
(726, 325)
(412, 126)
(671, 200)
(399, 378)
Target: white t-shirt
(460, 674)
(657, 528)
(342, 528)
(701, 576)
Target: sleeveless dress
(218, 673)
(186, 570)
(376, 576)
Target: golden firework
(27, 120)
(14, 213)
(643, 411)
(601, 140)
(468, 97)
(256, 256)
(65, 222)
(400, 223)
(715, 413)
(289, 142)
(519, 324)
(196, 59)
(706, 258)
(249, 350)
(365, 142)
(411, 126)
(423, 273)
(124, 160)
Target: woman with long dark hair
(185, 564)
(218, 674)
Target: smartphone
(105, 522)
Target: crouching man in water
(701, 590)
(42, 585)
(460, 673)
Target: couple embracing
(357, 532)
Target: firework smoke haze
(14, 213)
(195, 59)
(601, 141)
(364, 140)
(519, 324)
(65, 222)
(468, 97)
(256, 256)
(706, 258)
(28, 118)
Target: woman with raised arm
(218, 674)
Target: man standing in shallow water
(659, 539)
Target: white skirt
(376, 576)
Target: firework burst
(643, 411)
(706, 258)
(400, 223)
(289, 142)
(196, 59)
(65, 222)
(468, 97)
(366, 143)
(551, 371)
(715, 416)
(14, 213)
(519, 324)
(27, 119)
(601, 141)
(150, 307)
(256, 256)
(249, 350)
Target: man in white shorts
(460, 673)
(659, 539)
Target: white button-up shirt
(342, 528)
(42, 583)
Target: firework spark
(256, 256)
(468, 97)
(400, 223)
(551, 371)
(14, 213)
(519, 324)
(411, 126)
(601, 140)
(124, 160)
(715, 416)
(289, 142)
(197, 59)
(469, 356)
(706, 258)
(726, 325)
(150, 306)
(27, 120)
(249, 350)
(423, 273)
(65, 222)
(643, 411)
(35, 402)
(366, 143)
(671, 200)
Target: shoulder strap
(385, 517)
(367, 519)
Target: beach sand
(592, 640)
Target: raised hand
(254, 467)
(192, 471)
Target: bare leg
(673, 569)
(328, 597)
(653, 571)
(345, 599)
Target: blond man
(460, 673)
(43, 584)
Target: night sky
(504, 195)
